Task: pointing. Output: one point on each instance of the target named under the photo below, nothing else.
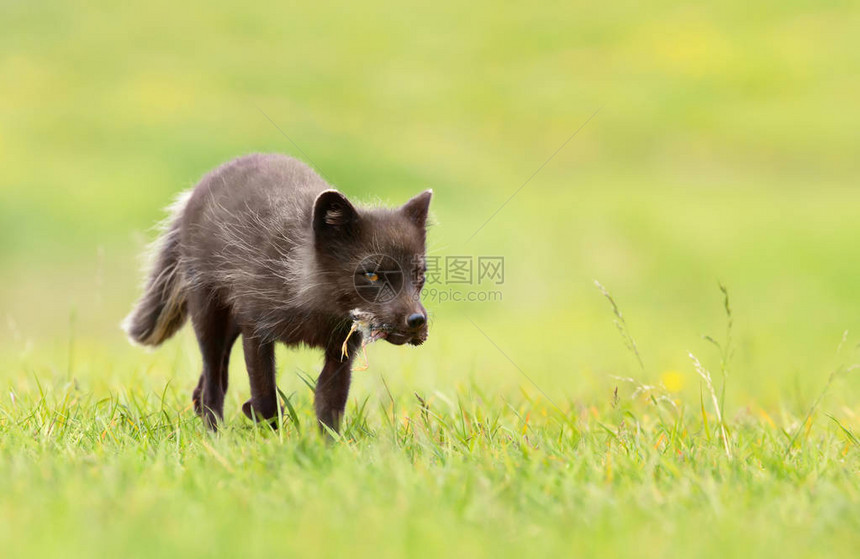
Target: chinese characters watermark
(450, 278)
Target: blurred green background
(726, 150)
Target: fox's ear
(416, 208)
(334, 214)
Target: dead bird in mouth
(363, 323)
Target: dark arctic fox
(263, 247)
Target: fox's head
(373, 260)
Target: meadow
(700, 163)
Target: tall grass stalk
(706, 376)
(621, 324)
(724, 348)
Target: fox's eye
(371, 276)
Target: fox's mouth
(388, 333)
(372, 331)
(394, 336)
(400, 338)
(376, 334)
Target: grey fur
(263, 247)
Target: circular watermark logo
(378, 278)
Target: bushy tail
(162, 309)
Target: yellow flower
(673, 381)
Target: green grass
(489, 473)
(635, 469)
(725, 153)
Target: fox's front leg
(260, 362)
(333, 383)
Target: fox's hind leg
(216, 331)
(233, 332)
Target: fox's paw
(195, 399)
(266, 414)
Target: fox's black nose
(416, 320)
